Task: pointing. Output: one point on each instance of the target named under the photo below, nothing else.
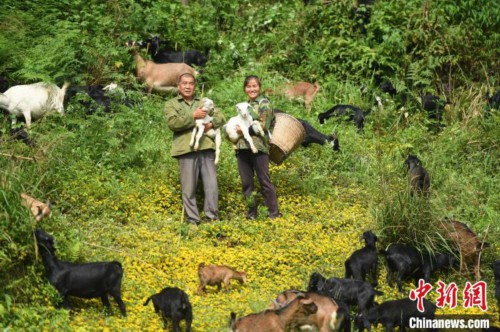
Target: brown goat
(467, 242)
(158, 76)
(304, 90)
(326, 318)
(38, 209)
(280, 320)
(215, 275)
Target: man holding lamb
(181, 114)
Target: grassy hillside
(115, 188)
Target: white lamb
(199, 129)
(33, 100)
(243, 120)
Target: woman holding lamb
(250, 163)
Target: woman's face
(252, 89)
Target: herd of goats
(327, 302)
(325, 305)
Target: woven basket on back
(287, 135)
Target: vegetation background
(115, 189)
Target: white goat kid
(199, 129)
(244, 120)
(33, 100)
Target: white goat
(158, 76)
(243, 120)
(33, 100)
(199, 129)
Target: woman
(250, 163)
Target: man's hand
(199, 113)
(208, 126)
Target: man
(181, 113)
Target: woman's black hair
(249, 78)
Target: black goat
(419, 178)
(87, 280)
(174, 304)
(362, 14)
(496, 272)
(350, 291)
(4, 84)
(364, 260)
(407, 261)
(314, 136)
(22, 135)
(394, 313)
(355, 114)
(434, 106)
(101, 97)
(95, 92)
(167, 55)
(493, 101)
(387, 87)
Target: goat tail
(317, 86)
(185, 301)
(147, 301)
(201, 265)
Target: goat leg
(193, 135)
(65, 301)
(198, 137)
(389, 277)
(375, 275)
(390, 328)
(218, 142)
(119, 301)
(398, 282)
(105, 302)
(248, 138)
(348, 271)
(189, 320)
(165, 319)
(226, 285)
(175, 324)
(201, 288)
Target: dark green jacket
(263, 112)
(179, 116)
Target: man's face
(186, 87)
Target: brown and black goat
(284, 319)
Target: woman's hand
(238, 131)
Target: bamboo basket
(287, 135)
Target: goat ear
(276, 304)
(306, 300)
